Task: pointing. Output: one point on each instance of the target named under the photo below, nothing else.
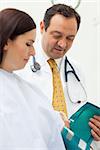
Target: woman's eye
(28, 44)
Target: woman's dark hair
(13, 22)
(63, 10)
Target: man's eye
(56, 36)
(70, 38)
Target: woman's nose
(32, 51)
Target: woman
(25, 117)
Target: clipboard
(79, 130)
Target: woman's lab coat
(27, 121)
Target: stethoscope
(35, 66)
(72, 71)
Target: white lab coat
(43, 80)
(27, 121)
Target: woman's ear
(7, 45)
(42, 26)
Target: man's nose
(62, 43)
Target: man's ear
(42, 27)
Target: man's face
(58, 38)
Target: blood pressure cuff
(79, 137)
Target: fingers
(65, 119)
(95, 125)
(97, 118)
(95, 135)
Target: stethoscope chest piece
(36, 66)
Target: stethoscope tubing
(72, 71)
(76, 76)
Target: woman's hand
(65, 119)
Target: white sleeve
(95, 145)
(59, 121)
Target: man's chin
(57, 56)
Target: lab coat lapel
(62, 71)
(45, 77)
(47, 80)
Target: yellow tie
(58, 94)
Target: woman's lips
(26, 60)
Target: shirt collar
(58, 61)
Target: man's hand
(95, 125)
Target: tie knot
(52, 63)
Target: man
(59, 28)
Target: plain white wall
(86, 46)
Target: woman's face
(18, 51)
